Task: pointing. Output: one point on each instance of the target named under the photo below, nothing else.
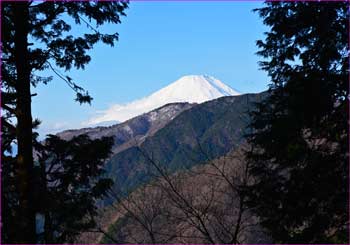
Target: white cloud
(123, 112)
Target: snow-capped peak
(191, 88)
(194, 88)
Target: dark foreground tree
(300, 137)
(37, 36)
(70, 183)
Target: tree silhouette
(71, 182)
(37, 36)
(300, 159)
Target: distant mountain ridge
(201, 133)
(133, 131)
(191, 89)
(177, 135)
(193, 138)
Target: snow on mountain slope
(134, 131)
(192, 89)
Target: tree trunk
(27, 229)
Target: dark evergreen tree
(37, 36)
(69, 185)
(300, 132)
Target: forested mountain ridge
(201, 133)
(177, 136)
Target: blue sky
(159, 43)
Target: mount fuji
(191, 88)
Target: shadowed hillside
(203, 132)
